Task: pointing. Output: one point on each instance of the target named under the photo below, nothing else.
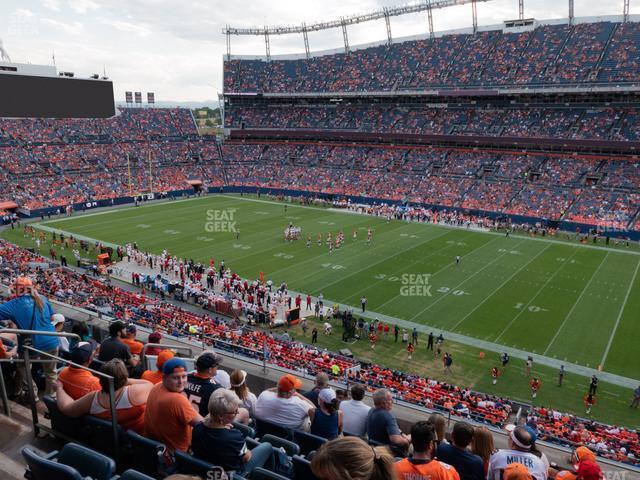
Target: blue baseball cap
(532, 432)
(170, 366)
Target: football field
(576, 303)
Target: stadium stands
(580, 54)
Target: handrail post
(5, 397)
(114, 420)
(32, 399)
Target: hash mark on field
(622, 307)
(530, 301)
(458, 286)
(576, 303)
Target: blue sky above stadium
(176, 49)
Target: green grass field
(559, 299)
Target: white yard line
(405, 268)
(274, 202)
(369, 265)
(586, 287)
(540, 290)
(463, 282)
(499, 287)
(379, 307)
(615, 327)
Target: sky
(176, 48)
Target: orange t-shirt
(167, 418)
(134, 346)
(78, 382)
(433, 470)
(153, 376)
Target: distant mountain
(170, 104)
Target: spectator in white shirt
(355, 412)
(520, 446)
(283, 405)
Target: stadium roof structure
(385, 13)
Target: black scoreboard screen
(55, 97)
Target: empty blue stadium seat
(67, 426)
(262, 474)
(307, 441)
(190, 465)
(41, 468)
(88, 462)
(145, 453)
(290, 447)
(246, 430)
(302, 467)
(74, 462)
(134, 475)
(264, 427)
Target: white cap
(57, 318)
(327, 395)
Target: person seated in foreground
(217, 441)
(468, 465)
(285, 406)
(77, 382)
(423, 462)
(350, 458)
(170, 417)
(130, 395)
(155, 376)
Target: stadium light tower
(570, 12)
(474, 12)
(345, 36)
(521, 9)
(625, 11)
(305, 35)
(4, 56)
(388, 23)
(343, 22)
(430, 15)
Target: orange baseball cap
(288, 382)
(565, 475)
(163, 356)
(516, 471)
(583, 453)
(23, 282)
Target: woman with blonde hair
(440, 424)
(30, 311)
(482, 445)
(351, 458)
(239, 385)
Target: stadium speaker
(345, 352)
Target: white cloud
(73, 28)
(51, 5)
(128, 27)
(82, 6)
(137, 40)
(23, 13)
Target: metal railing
(19, 332)
(37, 426)
(163, 346)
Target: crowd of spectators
(321, 410)
(578, 123)
(549, 54)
